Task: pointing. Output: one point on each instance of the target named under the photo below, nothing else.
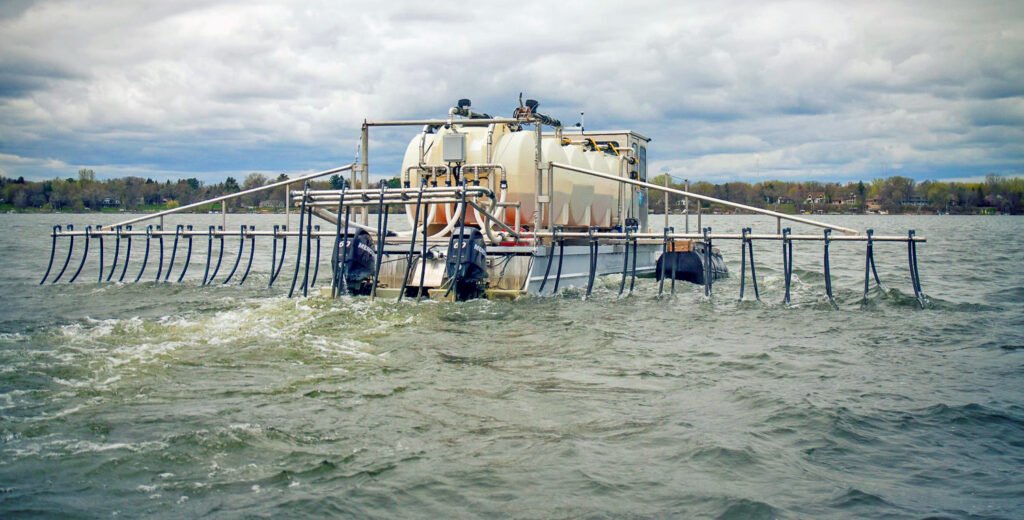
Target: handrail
(648, 185)
(234, 195)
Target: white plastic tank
(580, 200)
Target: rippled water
(181, 401)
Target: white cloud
(728, 90)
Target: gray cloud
(734, 90)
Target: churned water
(168, 400)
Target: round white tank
(580, 200)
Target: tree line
(892, 195)
(895, 194)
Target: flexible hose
(53, 252)
(316, 261)
(828, 270)
(188, 255)
(238, 257)
(71, 247)
(160, 240)
(220, 254)
(117, 252)
(145, 255)
(252, 253)
(127, 255)
(85, 254)
(209, 254)
(174, 250)
(298, 253)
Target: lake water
(175, 400)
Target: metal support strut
(316, 260)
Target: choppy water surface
(180, 401)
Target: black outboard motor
(689, 265)
(356, 263)
(466, 265)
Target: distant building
(272, 204)
(110, 203)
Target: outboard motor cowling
(356, 259)
(466, 264)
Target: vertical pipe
(174, 250)
(365, 167)
(335, 268)
(224, 214)
(707, 260)
(53, 252)
(868, 261)
(462, 240)
(666, 209)
(343, 264)
(686, 207)
(127, 254)
(539, 177)
(558, 272)
(672, 285)
(71, 247)
(298, 253)
(316, 260)
(188, 254)
(117, 252)
(160, 240)
(252, 253)
(309, 248)
(209, 254)
(85, 254)
(284, 250)
(662, 262)
(412, 235)
(99, 278)
(273, 256)
(743, 262)
(423, 258)
(625, 262)
(700, 214)
(753, 268)
(145, 255)
(828, 270)
(220, 254)
(786, 263)
(593, 263)
(547, 269)
(238, 257)
(632, 275)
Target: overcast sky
(727, 90)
